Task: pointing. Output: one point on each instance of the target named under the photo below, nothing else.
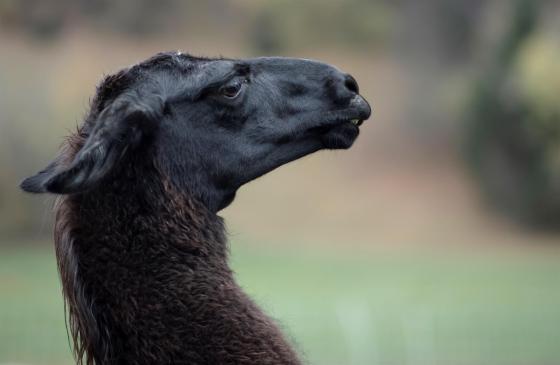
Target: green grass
(342, 309)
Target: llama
(141, 251)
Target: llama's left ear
(120, 127)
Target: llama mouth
(355, 115)
(354, 123)
(359, 111)
(339, 129)
(335, 123)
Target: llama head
(210, 125)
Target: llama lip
(355, 120)
(355, 116)
(361, 109)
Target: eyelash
(232, 91)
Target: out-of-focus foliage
(439, 32)
(427, 54)
(537, 77)
(272, 25)
(514, 124)
(354, 23)
(47, 18)
(537, 73)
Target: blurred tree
(440, 32)
(40, 18)
(265, 35)
(435, 42)
(47, 18)
(280, 24)
(133, 17)
(513, 123)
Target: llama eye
(233, 90)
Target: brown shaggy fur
(141, 251)
(146, 281)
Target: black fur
(167, 143)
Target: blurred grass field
(342, 308)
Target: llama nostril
(351, 84)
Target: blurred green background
(434, 240)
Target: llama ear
(120, 127)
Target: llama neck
(146, 280)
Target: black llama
(141, 251)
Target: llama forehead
(211, 72)
(289, 64)
(200, 70)
(207, 67)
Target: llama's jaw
(341, 136)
